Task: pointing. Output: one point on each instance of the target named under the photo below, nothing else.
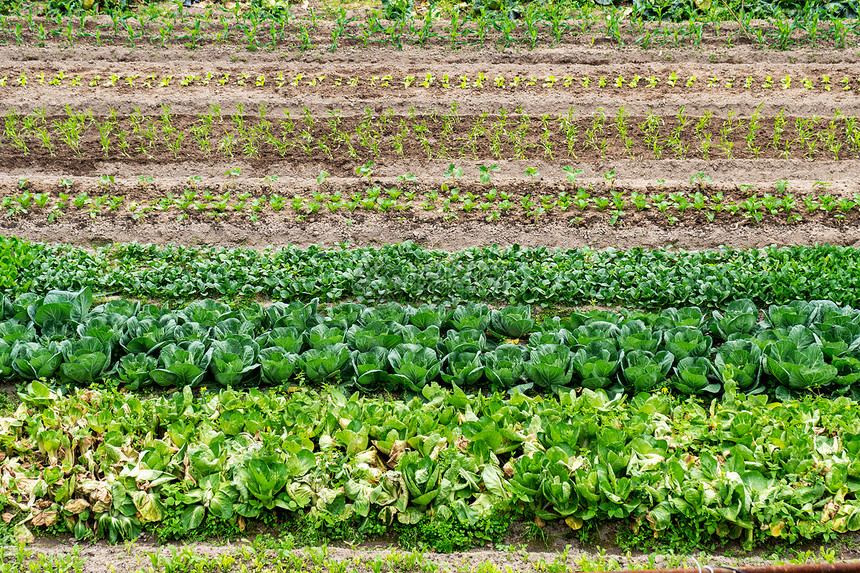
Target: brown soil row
(297, 169)
(647, 229)
(353, 100)
(507, 183)
(726, 176)
(347, 142)
(309, 32)
(558, 546)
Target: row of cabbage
(795, 347)
(109, 464)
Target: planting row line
(406, 272)
(104, 464)
(797, 347)
(507, 134)
(535, 202)
(426, 80)
(396, 27)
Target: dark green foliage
(635, 278)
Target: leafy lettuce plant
(371, 368)
(635, 335)
(12, 332)
(322, 336)
(135, 370)
(738, 319)
(287, 338)
(298, 315)
(147, 334)
(469, 340)
(684, 341)
(34, 360)
(427, 315)
(414, 366)
(372, 335)
(694, 375)
(232, 361)
(511, 322)
(463, 367)
(788, 315)
(798, 369)
(644, 371)
(471, 316)
(277, 365)
(324, 365)
(180, 366)
(549, 366)
(739, 362)
(597, 364)
(85, 360)
(504, 367)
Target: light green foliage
(444, 458)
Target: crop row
(426, 80)
(538, 26)
(105, 464)
(509, 134)
(534, 201)
(797, 347)
(405, 272)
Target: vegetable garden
(442, 276)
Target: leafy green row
(405, 272)
(797, 347)
(107, 464)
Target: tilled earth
(717, 118)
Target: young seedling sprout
(268, 180)
(571, 173)
(487, 172)
(194, 181)
(407, 178)
(699, 179)
(322, 178)
(453, 173)
(365, 170)
(610, 176)
(532, 172)
(106, 182)
(233, 173)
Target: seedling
(452, 172)
(699, 179)
(106, 181)
(487, 172)
(365, 170)
(267, 182)
(610, 176)
(233, 173)
(571, 173)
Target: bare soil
(736, 165)
(520, 553)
